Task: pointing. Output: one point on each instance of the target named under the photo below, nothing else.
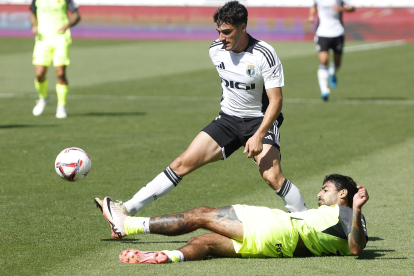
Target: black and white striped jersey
(245, 77)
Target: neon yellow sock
(174, 255)
(62, 93)
(41, 88)
(133, 225)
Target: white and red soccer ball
(73, 164)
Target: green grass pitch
(136, 105)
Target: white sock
(291, 197)
(333, 69)
(145, 225)
(323, 76)
(159, 186)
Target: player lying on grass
(255, 232)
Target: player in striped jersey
(251, 82)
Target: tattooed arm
(357, 239)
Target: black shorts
(334, 43)
(232, 132)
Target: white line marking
(378, 45)
(213, 99)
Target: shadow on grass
(367, 254)
(370, 239)
(137, 241)
(371, 254)
(22, 126)
(98, 114)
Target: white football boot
(61, 112)
(40, 106)
(115, 218)
(119, 204)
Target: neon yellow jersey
(51, 15)
(325, 230)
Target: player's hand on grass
(62, 29)
(254, 146)
(360, 198)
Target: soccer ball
(73, 164)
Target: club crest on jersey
(250, 71)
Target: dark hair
(343, 182)
(232, 13)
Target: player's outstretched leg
(202, 150)
(115, 218)
(133, 256)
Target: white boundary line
(378, 45)
(213, 99)
(356, 48)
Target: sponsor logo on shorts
(269, 137)
(279, 250)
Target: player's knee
(61, 77)
(195, 241)
(176, 164)
(181, 166)
(40, 76)
(201, 241)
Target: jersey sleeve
(272, 69)
(345, 218)
(72, 5)
(214, 47)
(33, 7)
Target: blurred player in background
(50, 24)
(251, 104)
(330, 34)
(337, 227)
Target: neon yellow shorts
(267, 233)
(44, 53)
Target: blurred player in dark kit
(330, 34)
